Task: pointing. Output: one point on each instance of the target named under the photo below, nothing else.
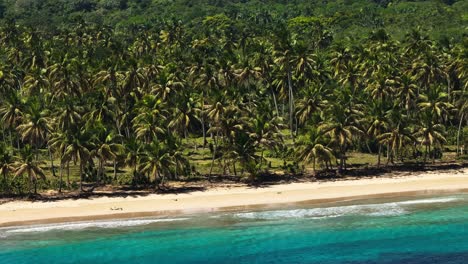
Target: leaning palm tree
(28, 165)
(312, 147)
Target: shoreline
(20, 213)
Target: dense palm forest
(85, 104)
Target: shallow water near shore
(422, 229)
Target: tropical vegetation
(84, 104)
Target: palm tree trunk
(378, 157)
(425, 156)
(261, 159)
(458, 134)
(68, 174)
(388, 154)
(115, 170)
(5, 182)
(81, 176)
(203, 119)
(274, 101)
(35, 187)
(61, 176)
(213, 158)
(51, 162)
(158, 176)
(313, 165)
(29, 184)
(291, 103)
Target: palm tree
(405, 90)
(265, 133)
(312, 147)
(378, 123)
(430, 134)
(28, 165)
(58, 143)
(342, 127)
(150, 113)
(398, 133)
(107, 148)
(7, 164)
(312, 101)
(134, 152)
(155, 161)
(12, 112)
(462, 106)
(435, 102)
(78, 149)
(35, 126)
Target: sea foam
(383, 209)
(96, 224)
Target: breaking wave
(383, 209)
(96, 224)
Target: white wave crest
(429, 201)
(97, 224)
(383, 209)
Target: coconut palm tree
(398, 133)
(430, 134)
(462, 106)
(378, 124)
(312, 148)
(342, 126)
(29, 166)
(79, 146)
(435, 102)
(312, 101)
(107, 148)
(7, 164)
(156, 161)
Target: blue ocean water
(415, 230)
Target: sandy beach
(25, 212)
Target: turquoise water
(408, 230)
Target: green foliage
(141, 92)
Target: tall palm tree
(462, 106)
